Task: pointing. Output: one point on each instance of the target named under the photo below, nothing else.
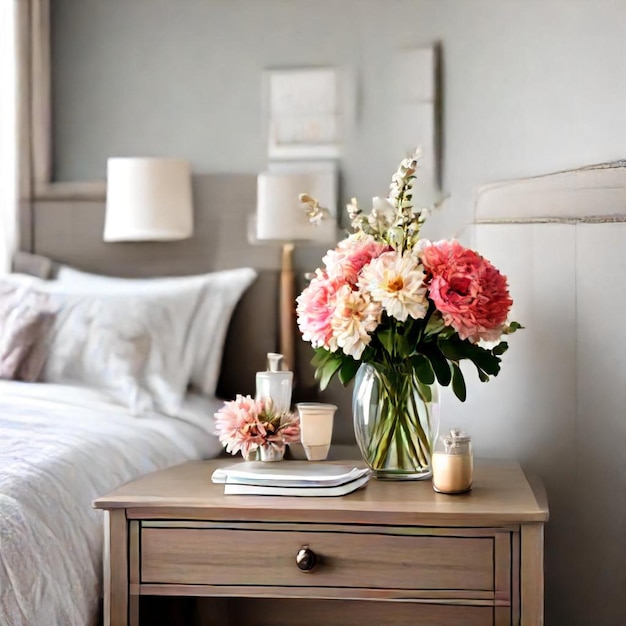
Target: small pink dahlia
(238, 425)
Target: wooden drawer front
(259, 557)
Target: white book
(288, 474)
(316, 492)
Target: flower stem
(400, 437)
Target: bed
(61, 446)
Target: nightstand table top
(502, 494)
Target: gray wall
(529, 87)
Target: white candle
(452, 473)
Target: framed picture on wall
(415, 122)
(304, 114)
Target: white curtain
(8, 138)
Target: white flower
(401, 181)
(382, 214)
(424, 214)
(353, 209)
(354, 318)
(397, 282)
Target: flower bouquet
(400, 313)
(253, 428)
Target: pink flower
(290, 428)
(350, 256)
(471, 294)
(238, 425)
(245, 424)
(315, 308)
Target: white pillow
(132, 347)
(218, 294)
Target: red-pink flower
(315, 308)
(471, 294)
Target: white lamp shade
(148, 199)
(279, 214)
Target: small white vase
(273, 451)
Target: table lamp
(148, 199)
(282, 219)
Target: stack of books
(290, 478)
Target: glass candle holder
(316, 428)
(453, 467)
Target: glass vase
(396, 421)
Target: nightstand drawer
(219, 556)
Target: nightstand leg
(532, 575)
(133, 610)
(133, 573)
(115, 568)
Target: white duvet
(60, 448)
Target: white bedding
(61, 447)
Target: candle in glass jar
(453, 468)
(452, 473)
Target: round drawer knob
(306, 559)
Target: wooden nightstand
(392, 553)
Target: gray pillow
(25, 320)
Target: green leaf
(413, 333)
(328, 371)
(369, 354)
(458, 383)
(386, 339)
(439, 363)
(320, 357)
(348, 370)
(512, 327)
(452, 347)
(423, 369)
(403, 347)
(501, 348)
(425, 391)
(435, 324)
(486, 361)
(483, 377)
(455, 349)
